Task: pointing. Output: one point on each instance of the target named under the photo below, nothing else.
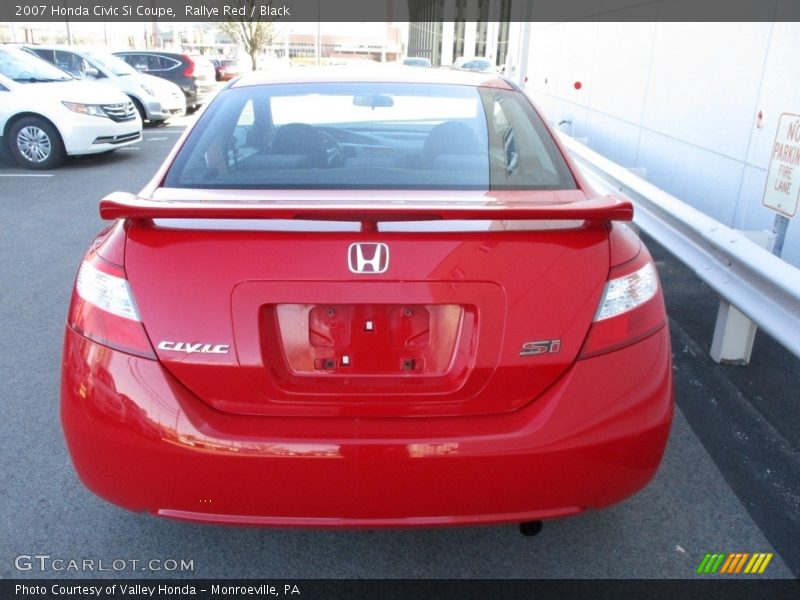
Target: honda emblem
(368, 259)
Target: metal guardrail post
(734, 333)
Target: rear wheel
(36, 144)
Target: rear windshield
(373, 136)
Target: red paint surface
(141, 440)
(436, 420)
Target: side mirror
(91, 72)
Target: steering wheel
(332, 149)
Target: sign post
(779, 228)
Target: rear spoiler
(119, 205)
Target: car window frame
(561, 171)
(88, 62)
(162, 58)
(131, 58)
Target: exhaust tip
(530, 528)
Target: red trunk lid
(266, 322)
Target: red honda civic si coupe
(366, 298)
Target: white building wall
(678, 99)
(448, 33)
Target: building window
(460, 26)
(502, 33)
(481, 30)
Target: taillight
(103, 308)
(189, 70)
(630, 309)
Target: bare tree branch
(248, 30)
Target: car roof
(67, 48)
(156, 52)
(380, 73)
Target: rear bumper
(164, 109)
(196, 94)
(141, 440)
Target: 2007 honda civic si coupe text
(366, 298)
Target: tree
(248, 31)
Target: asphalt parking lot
(729, 481)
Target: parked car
(226, 68)
(480, 64)
(46, 114)
(406, 307)
(412, 61)
(193, 74)
(155, 99)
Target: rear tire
(36, 144)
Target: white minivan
(46, 114)
(156, 99)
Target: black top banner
(393, 10)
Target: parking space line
(26, 174)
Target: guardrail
(762, 286)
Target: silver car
(155, 99)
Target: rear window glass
(374, 136)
